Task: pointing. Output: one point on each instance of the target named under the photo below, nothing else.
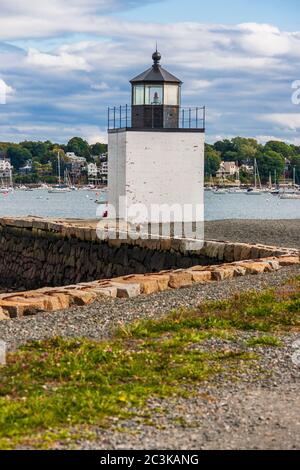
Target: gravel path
(231, 418)
(259, 410)
(97, 320)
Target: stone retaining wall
(34, 257)
(38, 252)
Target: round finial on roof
(156, 56)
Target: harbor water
(81, 204)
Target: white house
(92, 170)
(248, 169)
(227, 169)
(27, 168)
(5, 169)
(103, 172)
(76, 165)
(74, 158)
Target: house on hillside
(26, 169)
(227, 169)
(76, 166)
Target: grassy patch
(57, 389)
(270, 310)
(65, 383)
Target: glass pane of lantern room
(138, 95)
(171, 95)
(153, 94)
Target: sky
(62, 62)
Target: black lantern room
(155, 98)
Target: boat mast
(58, 160)
(10, 178)
(257, 176)
(237, 176)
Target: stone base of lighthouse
(156, 176)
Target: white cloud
(263, 139)
(267, 40)
(100, 86)
(35, 18)
(94, 134)
(62, 61)
(289, 121)
(18, 133)
(77, 60)
(6, 88)
(54, 7)
(199, 84)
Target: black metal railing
(120, 117)
(192, 118)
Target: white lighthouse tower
(156, 153)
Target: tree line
(43, 156)
(275, 157)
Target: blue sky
(279, 12)
(63, 62)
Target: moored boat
(290, 196)
(257, 189)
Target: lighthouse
(156, 153)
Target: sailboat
(5, 189)
(236, 189)
(290, 196)
(295, 194)
(276, 190)
(255, 191)
(68, 182)
(102, 196)
(270, 186)
(60, 188)
(210, 186)
(220, 189)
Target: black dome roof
(156, 73)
